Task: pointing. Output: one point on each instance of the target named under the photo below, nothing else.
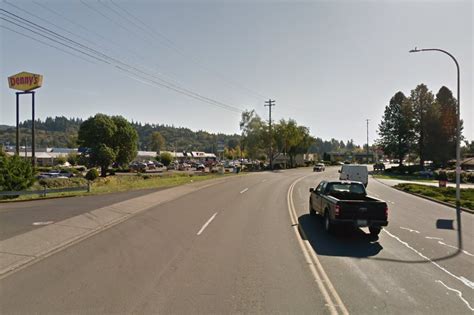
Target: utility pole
(269, 104)
(367, 140)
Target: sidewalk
(393, 182)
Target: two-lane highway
(232, 248)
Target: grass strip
(113, 184)
(447, 194)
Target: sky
(330, 65)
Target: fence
(44, 191)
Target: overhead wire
(122, 47)
(171, 44)
(109, 60)
(45, 43)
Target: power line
(110, 19)
(175, 47)
(52, 39)
(45, 43)
(109, 60)
(122, 47)
(48, 22)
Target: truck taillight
(386, 211)
(337, 210)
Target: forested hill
(62, 132)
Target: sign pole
(33, 156)
(25, 82)
(18, 123)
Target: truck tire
(328, 225)
(312, 212)
(375, 230)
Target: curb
(426, 197)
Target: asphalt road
(232, 248)
(20, 217)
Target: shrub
(166, 158)
(60, 160)
(16, 173)
(62, 182)
(72, 158)
(92, 174)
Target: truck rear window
(346, 188)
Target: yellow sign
(25, 81)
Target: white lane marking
(411, 231)
(465, 281)
(206, 224)
(459, 293)
(433, 238)
(263, 181)
(320, 276)
(243, 191)
(373, 194)
(43, 223)
(464, 251)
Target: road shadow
(346, 243)
(351, 242)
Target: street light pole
(458, 135)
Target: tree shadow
(346, 243)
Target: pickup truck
(347, 203)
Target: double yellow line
(332, 298)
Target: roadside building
(467, 164)
(42, 158)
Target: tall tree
(448, 124)
(125, 141)
(396, 127)
(254, 134)
(422, 101)
(108, 139)
(156, 141)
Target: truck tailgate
(359, 209)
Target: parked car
(320, 167)
(354, 172)
(184, 167)
(379, 167)
(138, 166)
(426, 173)
(347, 203)
(158, 164)
(200, 167)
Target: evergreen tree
(448, 124)
(422, 100)
(396, 128)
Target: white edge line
(459, 293)
(465, 281)
(464, 251)
(244, 190)
(411, 230)
(433, 238)
(206, 224)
